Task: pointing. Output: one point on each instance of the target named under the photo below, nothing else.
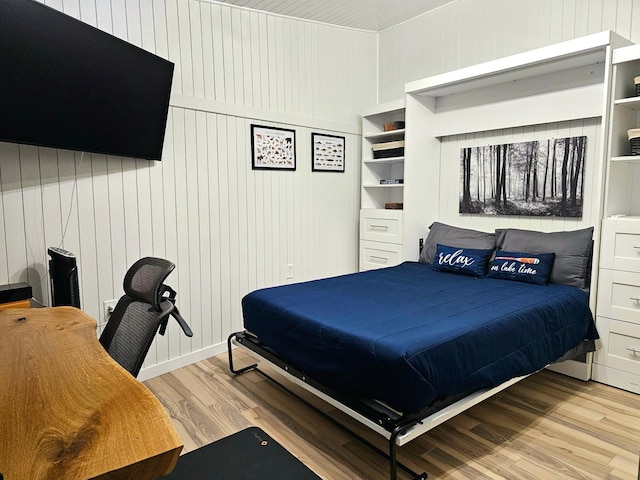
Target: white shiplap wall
(468, 32)
(229, 229)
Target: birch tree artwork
(536, 178)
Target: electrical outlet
(290, 271)
(107, 308)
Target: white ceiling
(372, 15)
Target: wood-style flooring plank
(547, 426)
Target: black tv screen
(66, 84)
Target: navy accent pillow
(572, 264)
(522, 267)
(468, 261)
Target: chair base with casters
(141, 313)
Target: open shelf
(632, 103)
(373, 194)
(386, 136)
(627, 159)
(384, 160)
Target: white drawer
(381, 225)
(620, 248)
(619, 295)
(379, 255)
(620, 345)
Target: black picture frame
(273, 148)
(327, 153)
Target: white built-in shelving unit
(624, 169)
(375, 195)
(381, 241)
(617, 362)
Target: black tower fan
(64, 278)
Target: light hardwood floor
(548, 426)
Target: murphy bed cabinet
(381, 229)
(559, 91)
(617, 361)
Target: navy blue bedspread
(408, 335)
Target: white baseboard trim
(183, 361)
(616, 378)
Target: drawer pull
(635, 299)
(636, 246)
(634, 350)
(378, 259)
(378, 227)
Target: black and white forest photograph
(535, 178)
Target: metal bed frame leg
(241, 370)
(393, 463)
(392, 456)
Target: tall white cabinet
(617, 361)
(381, 229)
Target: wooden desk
(15, 295)
(69, 411)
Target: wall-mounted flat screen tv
(66, 84)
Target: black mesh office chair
(140, 313)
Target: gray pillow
(440, 233)
(572, 248)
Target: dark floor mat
(248, 454)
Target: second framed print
(327, 153)
(273, 148)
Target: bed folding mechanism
(398, 429)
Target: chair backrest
(143, 281)
(139, 313)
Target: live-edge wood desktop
(68, 410)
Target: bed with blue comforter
(409, 335)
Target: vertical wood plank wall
(468, 32)
(229, 229)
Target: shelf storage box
(396, 125)
(634, 140)
(388, 149)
